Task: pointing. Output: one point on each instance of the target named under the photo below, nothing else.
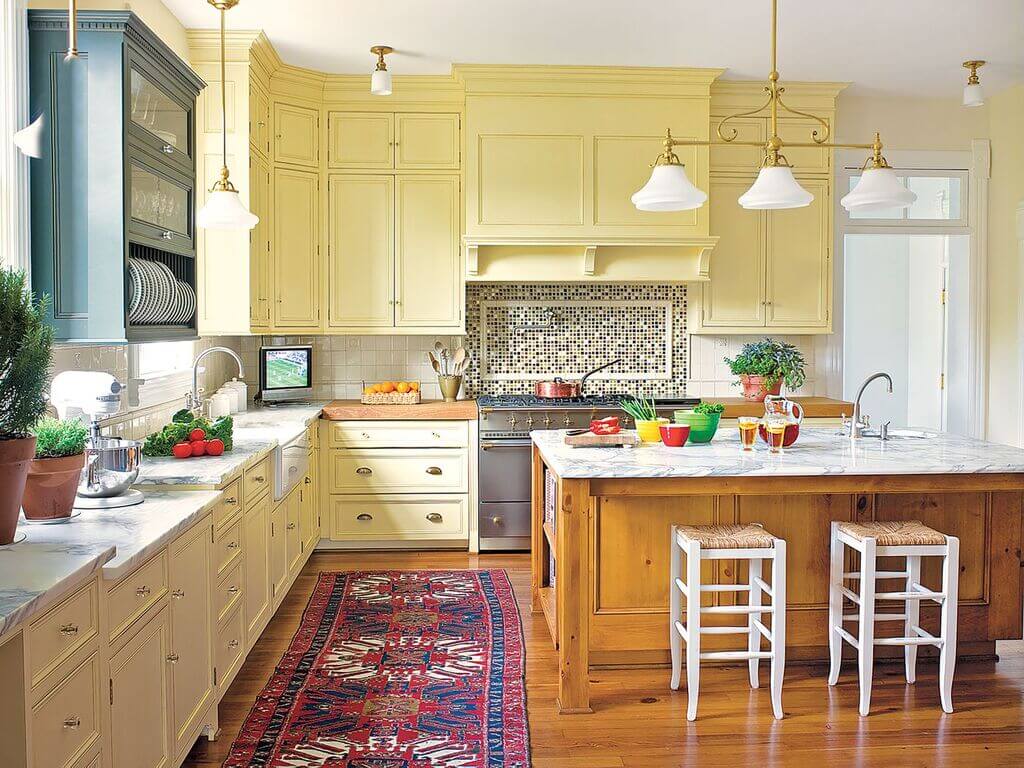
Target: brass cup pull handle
(308, 481)
(257, 478)
(167, 149)
(72, 722)
(364, 516)
(290, 526)
(436, 435)
(167, 234)
(232, 545)
(178, 594)
(173, 658)
(232, 643)
(366, 435)
(435, 517)
(364, 471)
(433, 470)
(232, 590)
(142, 591)
(230, 500)
(69, 629)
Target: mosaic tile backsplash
(519, 334)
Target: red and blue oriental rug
(396, 669)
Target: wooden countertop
(814, 407)
(353, 410)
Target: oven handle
(486, 446)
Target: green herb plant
(56, 438)
(772, 359)
(708, 409)
(26, 345)
(640, 408)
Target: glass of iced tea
(775, 426)
(748, 431)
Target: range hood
(608, 260)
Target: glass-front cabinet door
(160, 119)
(161, 208)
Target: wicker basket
(391, 398)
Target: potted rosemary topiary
(54, 473)
(763, 367)
(25, 350)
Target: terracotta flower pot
(15, 457)
(50, 489)
(755, 389)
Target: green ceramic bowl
(703, 426)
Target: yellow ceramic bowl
(650, 431)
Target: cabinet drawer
(399, 434)
(66, 724)
(228, 548)
(230, 647)
(414, 517)
(229, 589)
(398, 471)
(229, 505)
(256, 480)
(68, 626)
(134, 595)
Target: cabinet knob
(69, 629)
(167, 149)
(433, 470)
(173, 658)
(436, 435)
(178, 594)
(366, 435)
(498, 520)
(364, 516)
(308, 481)
(258, 478)
(142, 591)
(230, 500)
(364, 471)
(73, 722)
(261, 123)
(232, 590)
(232, 643)
(435, 517)
(232, 545)
(290, 526)
(167, 235)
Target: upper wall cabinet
(296, 135)
(401, 141)
(113, 196)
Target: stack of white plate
(156, 296)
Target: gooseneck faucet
(859, 425)
(192, 400)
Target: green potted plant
(54, 473)
(763, 367)
(702, 419)
(25, 351)
(645, 416)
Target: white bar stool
(905, 538)
(727, 542)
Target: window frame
(164, 387)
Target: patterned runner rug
(396, 669)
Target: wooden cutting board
(590, 440)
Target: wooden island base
(610, 542)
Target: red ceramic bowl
(792, 433)
(675, 435)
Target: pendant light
(72, 52)
(224, 209)
(775, 187)
(30, 138)
(974, 94)
(380, 80)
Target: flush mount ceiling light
(775, 187)
(974, 94)
(380, 80)
(224, 209)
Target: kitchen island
(600, 555)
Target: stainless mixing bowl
(111, 466)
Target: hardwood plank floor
(639, 723)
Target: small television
(286, 373)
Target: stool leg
(947, 654)
(835, 606)
(913, 611)
(866, 653)
(675, 613)
(692, 629)
(778, 626)
(753, 634)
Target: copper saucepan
(559, 387)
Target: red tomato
(198, 447)
(214, 447)
(182, 450)
(196, 434)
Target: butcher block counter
(611, 510)
(814, 407)
(429, 410)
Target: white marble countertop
(818, 451)
(257, 431)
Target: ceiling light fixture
(224, 209)
(775, 187)
(72, 52)
(974, 94)
(380, 80)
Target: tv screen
(285, 368)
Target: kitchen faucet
(192, 400)
(858, 424)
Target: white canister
(241, 390)
(220, 405)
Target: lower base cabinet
(293, 526)
(278, 550)
(256, 600)
(66, 723)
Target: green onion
(640, 408)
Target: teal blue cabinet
(116, 181)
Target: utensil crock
(450, 386)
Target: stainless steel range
(504, 457)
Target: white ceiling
(883, 46)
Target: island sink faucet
(193, 400)
(859, 423)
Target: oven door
(503, 514)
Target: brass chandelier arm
(827, 132)
(732, 139)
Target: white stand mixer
(111, 463)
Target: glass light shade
(775, 188)
(224, 210)
(380, 83)
(974, 95)
(878, 190)
(30, 138)
(668, 189)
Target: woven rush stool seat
(894, 533)
(744, 536)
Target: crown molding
(422, 91)
(745, 94)
(485, 79)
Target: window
(165, 367)
(941, 200)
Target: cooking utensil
(559, 387)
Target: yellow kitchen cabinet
(278, 550)
(404, 141)
(259, 247)
(256, 544)
(295, 249)
(361, 140)
(296, 135)
(309, 523)
(191, 654)
(259, 120)
(293, 528)
(140, 687)
(427, 141)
